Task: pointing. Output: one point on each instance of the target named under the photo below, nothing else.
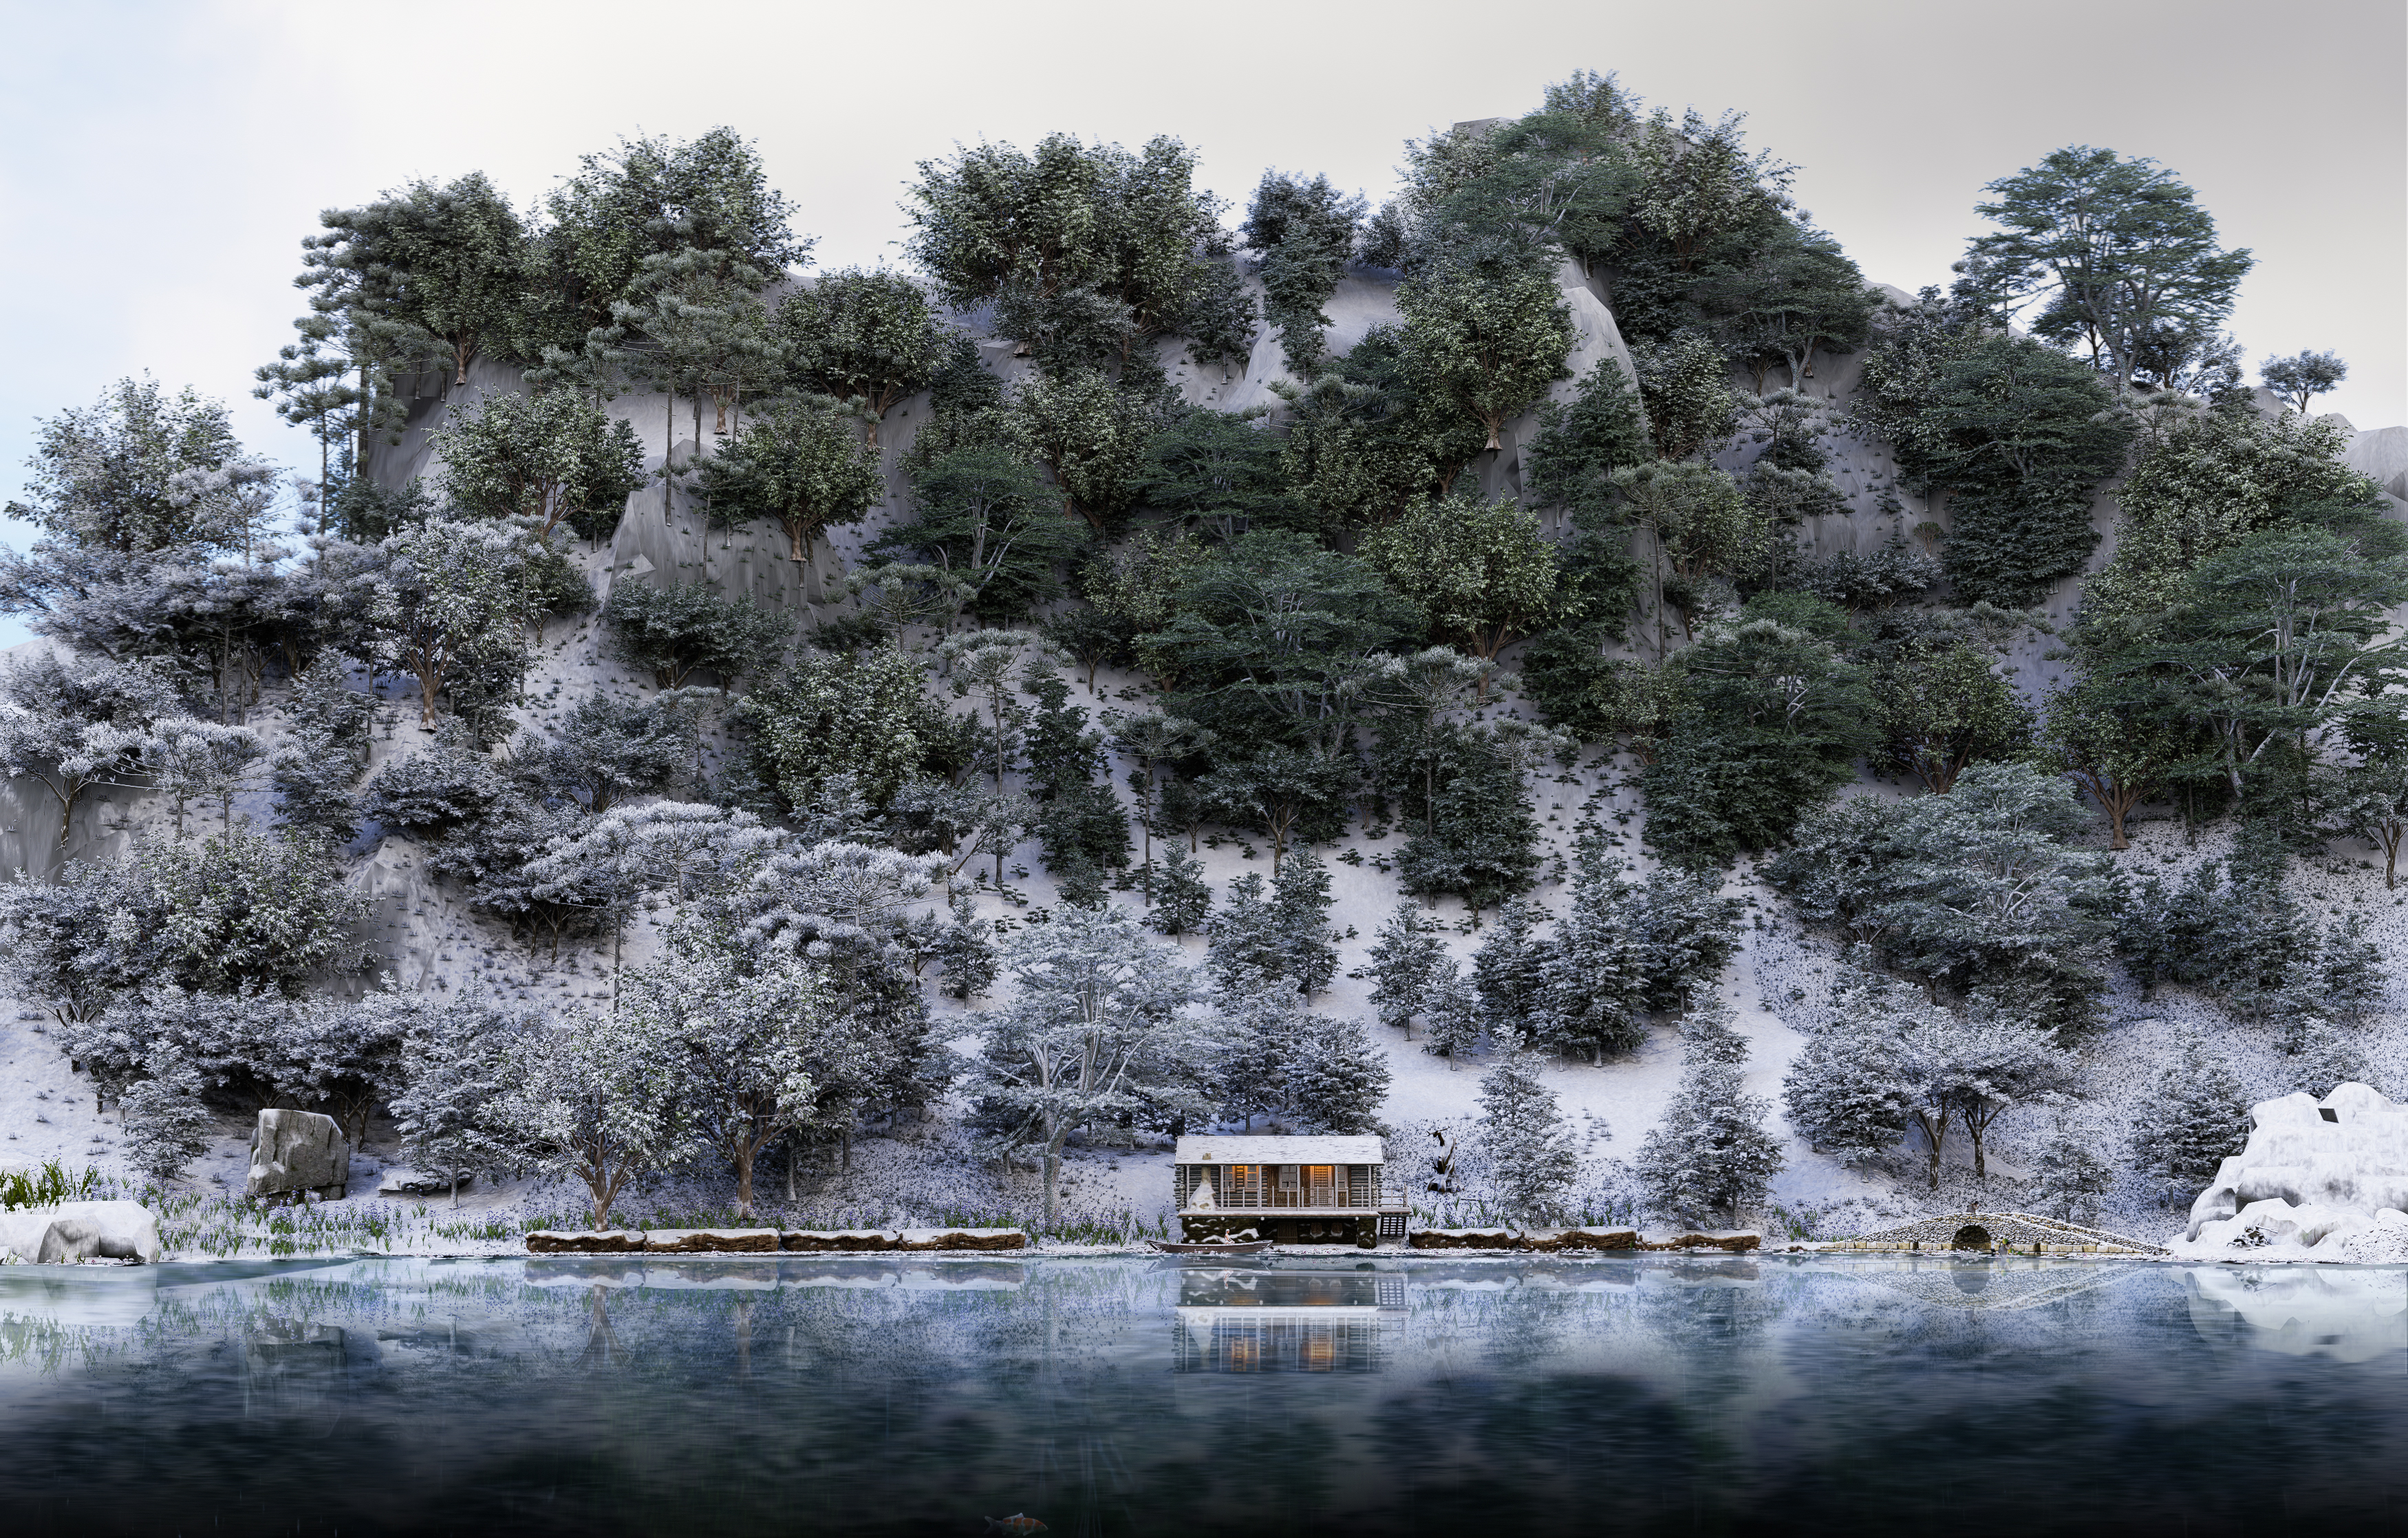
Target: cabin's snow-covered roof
(1209, 1149)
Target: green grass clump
(47, 1186)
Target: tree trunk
(1935, 1132)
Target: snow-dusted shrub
(604, 748)
(435, 791)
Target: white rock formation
(80, 1231)
(299, 1151)
(2318, 1180)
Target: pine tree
(966, 951)
(1593, 998)
(2327, 1058)
(1846, 1093)
(1245, 937)
(1456, 1021)
(1711, 1149)
(1687, 934)
(1530, 1148)
(313, 774)
(1510, 969)
(2072, 1177)
(1079, 818)
(1255, 1026)
(167, 1127)
(1183, 903)
(1336, 1077)
(2352, 971)
(1300, 905)
(2198, 1118)
(1405, 960)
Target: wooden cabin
(1320, 1190)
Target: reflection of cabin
(1297, 1190)
(1264, 1321)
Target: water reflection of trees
(1532, 1397)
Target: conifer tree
(1595, 995)
(1711, 1150)
(1337, 1076)
(2072, 1177)
(1847, 1092)
(167, 1127)
(1530, 1148)
(1456, 1021)
(2352, 971)
(1405, 958)
(2327, 1059)
(1183, 903)
(1245, 936)
(1079, 818)
(1510, 969)
(2198, 1118)
(1299, 906)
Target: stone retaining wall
(769, 1241)
(1576, 1238)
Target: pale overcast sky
(161, 160)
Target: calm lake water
(1855, 1394)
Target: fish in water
(1017, 1525)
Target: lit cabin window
(1318, 1186)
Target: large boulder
(296, 1151)
(2318, 1180)
(80, 1231)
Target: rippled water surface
(790, 1396)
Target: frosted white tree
(72, 725)
(1531, 1153)
(456, 1064)
(1096, 1028)
(748, 1038)
(1711, 1150)
(186, 759)
(599, 1098)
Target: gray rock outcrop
(296, 1151)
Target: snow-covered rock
(2322, 1180)
(299, 1151)
(80, 1231)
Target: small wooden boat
(1209, 1247)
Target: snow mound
(2318, 1180)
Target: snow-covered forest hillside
(1560, 670)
